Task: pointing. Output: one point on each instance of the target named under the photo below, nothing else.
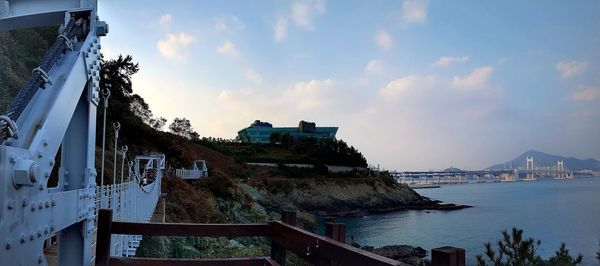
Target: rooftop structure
(260, 132)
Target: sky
(413, 84)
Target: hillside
(545, 160)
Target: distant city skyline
(412, 84)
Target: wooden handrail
(200, 230)
(314, 248)
(260, 261)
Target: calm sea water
(552, 211)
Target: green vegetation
(306, 151)
(513, 249)
(20, 52)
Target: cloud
(568, 69)
(374, 66)
(228, 49)
(252, 75)
(405, 85)
(383, 39)
(280, 29)
(586, 94)
(414, 11)
(304, 12)
(165, 20)
(445, 61)
(228, 23)
(474, 80)
(173, 46)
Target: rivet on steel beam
(31, 237)
(41, 206)
(11, 205)
(22, 238)
(32, 207)
(8, 244)
(53, 203)
(24, 204)
(47, 204)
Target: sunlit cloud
(474, 80)
(384, 40)
(174, 46)
(414, 11)
(404, 85)
(228, 49)
(568, 69)
(445, 61)
(228, 23)
(165, 20)
(252, 75)
(374, 66)
(280, 29)
(586, 94)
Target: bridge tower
(560, 167)
(529, 168)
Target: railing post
(103, 237)
(447, 256)
(278, 251)
(336, 231)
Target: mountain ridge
(545, 160)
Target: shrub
(513, 249)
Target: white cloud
(383, 39)
(445, 61)
(301, 15)
(280, 29)
(374, 66)
(304, 12)
(228, 49)
(173, 46)
(165, 20)
(414, 11)
(405, 85)
(586, 94)
(229, 23)
(474, 80)
(568, 69)
(252, 75)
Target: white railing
(198, 171)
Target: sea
(552, 211)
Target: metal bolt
(11, 204)
(31, 237)
(40, 155)
(41, 186)
(12, 160)
(8, 244)
(24, 202)
(40, 260)
(39, 234)
(41, 206)
(46, 230)
(22, 238)
(51, 228)
(47, 204)
(32, 207)
(45, 143)
(53, 203)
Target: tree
(183, 127)
(513, 249)
(158, 123)
(115, 75)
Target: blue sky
(412, 84)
